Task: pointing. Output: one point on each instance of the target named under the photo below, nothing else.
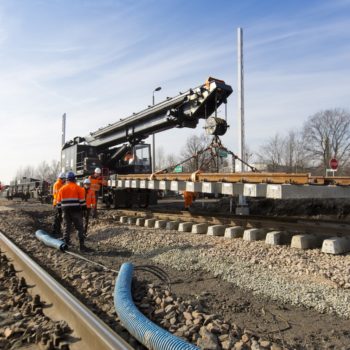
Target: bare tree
(160, 159)
(271, 153)
(285, 154)
(171, 160)
(25, 172)
(294, 155)
(194, 147)
(327, 135)
(43, 170)
(54, 171)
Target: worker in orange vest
(96, 181)
(71, 198)
(189, 198)
(90, 200)
(56, 227)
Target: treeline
(324, 135)
(44, 171)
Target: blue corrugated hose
(44, 237)
(145, 331)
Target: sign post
(333, 163)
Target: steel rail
(297, 224)
(268, 178)
(94, 334)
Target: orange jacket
(96, 182)
(90, 198)
(189, 198)
(71, 195)
(56, 187)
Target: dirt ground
(288, 326)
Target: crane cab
(83, 159)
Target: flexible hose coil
(44, 237)
(144, 330)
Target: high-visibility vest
(56, 187)
(90, 198)
(96, 183)
(71, 195)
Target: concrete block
(306, 191)
(127, 183)
(278, 238)
(131, 220)
(216, 230)
(200, 228)
(164, 185)
(150, 222)
(135, 183)
(124, 219)
(210, 187)
(143, 183)
(177, 186)
(193, 186)
(254, 234)
(230, 188)
(185, 226)
(172, 225)
(306, 242)
(160, 224)
(140, 222)
(336, 245)
(153, 185)
(234, 232)
(255, 190)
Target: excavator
(119, 148)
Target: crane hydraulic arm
(184, 110)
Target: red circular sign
(333, 164)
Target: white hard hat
(86, 182)
(62, 176)
(98, 171)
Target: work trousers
(73, 216)
(94, 210)
(56, 227)
(87, 213)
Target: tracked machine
(119, 148)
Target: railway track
(89, 332)
(294, 224)
(201, 294)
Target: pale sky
(99, 61)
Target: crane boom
(183, 110)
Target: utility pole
(63, 141)
(153, 136)
(240, 98)
(63, 129)
(242, 208)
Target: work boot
(66, 241)
(83, 247)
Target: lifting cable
(215, 144)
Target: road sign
(333, 163)
(178, 169)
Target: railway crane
(119, 148)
